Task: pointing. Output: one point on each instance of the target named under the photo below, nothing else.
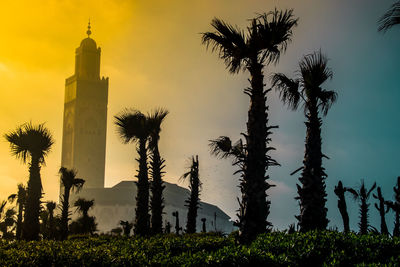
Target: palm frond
(390, 18)
(221, 147)
(154, 123)
(353, 192)
(229, 41)
(288, 89)
(274, 32)
(327, 98)
(314, 70)
(131, 125)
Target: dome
(88, 43)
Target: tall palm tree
(339, 191)
(31, 142)
(21, 200)
(306, 88)
(156, 170)
(70, 183)
(193, 202)
(86, 223)
(51, 227)
(382, 210)
(362, 195)
(266, 38)
(133, 126)
(390, 18)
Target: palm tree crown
(390, 18)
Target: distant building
(84, 146)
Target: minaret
(85, 116)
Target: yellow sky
(152, 53)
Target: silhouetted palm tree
(177, 227)
(395, 206)
(31, 142)
(382, 210)
(390, 18)
(133, 126)
(86, 224)
(339, 191)
(156, 170)
(21, 200)
(69, 182)
(193, 202)
(307, 89)
(266, 38)
(362, 195)
(51, 225)
(126, 227)
(8, 220)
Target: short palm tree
(133, 126)
(362, 195)
(390, 18)
(395, 206)
(339, 191)
(263, 43)
(126, 227)
(21, 200)
(31, 142)
(306, 88)
(7, 222)
(156, 170)
(51, 225)
(70, 183)
(193, 202)
(382, 209)
(86, 224)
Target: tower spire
(89, 32)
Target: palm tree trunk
(142, 200)
(254, 208)
(157, 188)
(64, 213)
(364, 217)
(312, 193)
(396, 229)
(193, 203)
(31, 219)
(51, 224)
(343, 211)
(19, 220)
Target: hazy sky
(152, 52)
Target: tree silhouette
(85, 224)
(69, 182)
(339, 191)
(21, 200)
(266, 38)
(156, 170)
(313, 72)
(126, 227)
(395, 206)
(177, 227)
(390, 18)
(51, 225)
(203, 227)
(362, 195)
(8, 220)
(193, 202)
(31, 142)
(382, 211)
(133, 126)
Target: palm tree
(86, 224)
(266, 38)
(133, 126)
(362, 195)
(31, 142)
(339, 191)
(395, 206)
(7, 222)
(69, 182)
(21, 200)
(126, 227)
(390, 18)
(306, 88)
(156, 170)
(193, 202)
(382, 210)
(50, 209)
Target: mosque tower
(85, 116)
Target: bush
(272, 249)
